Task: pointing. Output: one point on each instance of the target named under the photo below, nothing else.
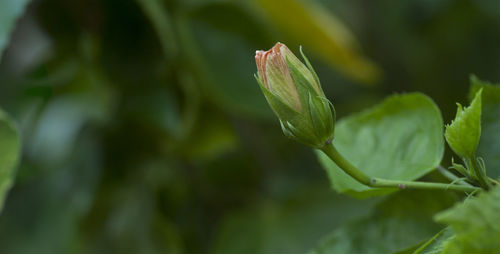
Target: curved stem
(452, 177)
(362, 178)
(345, 165)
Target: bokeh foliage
(144, 130)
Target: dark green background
(144, 130)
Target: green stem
(345, 165)
(378, 182)
(361, 177)
(452, 177)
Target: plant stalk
(452, 177)
(362, 178)
(479, 174)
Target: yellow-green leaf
(324, 34)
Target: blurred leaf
(243, 23)
(127, 221)
(400, 139)
(475, 223)
(64, 117)
(291, 227)
(489, 144)
(225, 57)
(403, 219)
(60, 197)
(9, 154)
(158, 108)
(464, 132)
(435, 244)
(319, 30)
(10, 10)
(214, 136)
(160, 19)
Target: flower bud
(293, 91)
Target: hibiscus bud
(293, 91)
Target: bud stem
(345, 165)
(362, 178)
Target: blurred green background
(144, 130)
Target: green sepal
(482, 166)
(480, 173)
(464, 132)
(309, 66)
(303, 136)
(460, 168)
(304, 86)
(328, 107)
(295, 125)
(317, 116)
(319, 113)
(321, 118)
(287, 132)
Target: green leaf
(475, 223)
(399, 139)
(9, 155)
(464, 132)
(10, 10)
(225, 72)
(160, 19)
(489, 144)
(400, 221)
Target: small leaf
(489, 144)
(399, 139)
(9, 155)
(464, 132)
(475, 223)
